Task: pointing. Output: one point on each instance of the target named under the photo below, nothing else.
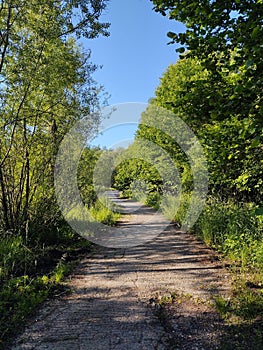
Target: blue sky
(135, 55)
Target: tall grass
(175, 207)
(237, 232)
(15, 257)
(103, 211)
(233, 229)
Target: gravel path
(114, 291)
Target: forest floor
(158, 295)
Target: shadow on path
(109, 307)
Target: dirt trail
(112, 303)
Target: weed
(104, 212)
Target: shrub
(153, 200)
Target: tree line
(46, 86)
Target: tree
(88, 161)
(46, 85)
(220, 98)
(227, 38)
(182, 90)
(232, 144)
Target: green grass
(104, 212)
(236, 231)
(175, 207)
(12, 253)
(31, 273)
(20, 296)
(243, 314)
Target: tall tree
(227, 36)
(232, 144)
(46, 85)
(223, 105)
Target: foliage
(15, 257)
(182, 90)
(21, 295)
(227, 38)
(234, 153)
(153, 200)
(233, 145)
(216, 87)
(28, 275)
(18, 298)
(85, 174)
(102, 213)
(176, 208)
(46, 85)
(170, 205)
(242, 316)
(246, 304)
(235, 230)
(130, 170)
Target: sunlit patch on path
(109, 307)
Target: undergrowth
(29, 274)
(103, 211)
(32, 268)
(236, 231)
(19, 297)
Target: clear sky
(136, 54)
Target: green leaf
(180, 50)
(171, 35)
(255, 143)
(255, 32)
(259, 211)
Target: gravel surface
(117, 294)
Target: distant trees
(45, 86)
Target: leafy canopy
(227, 37)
